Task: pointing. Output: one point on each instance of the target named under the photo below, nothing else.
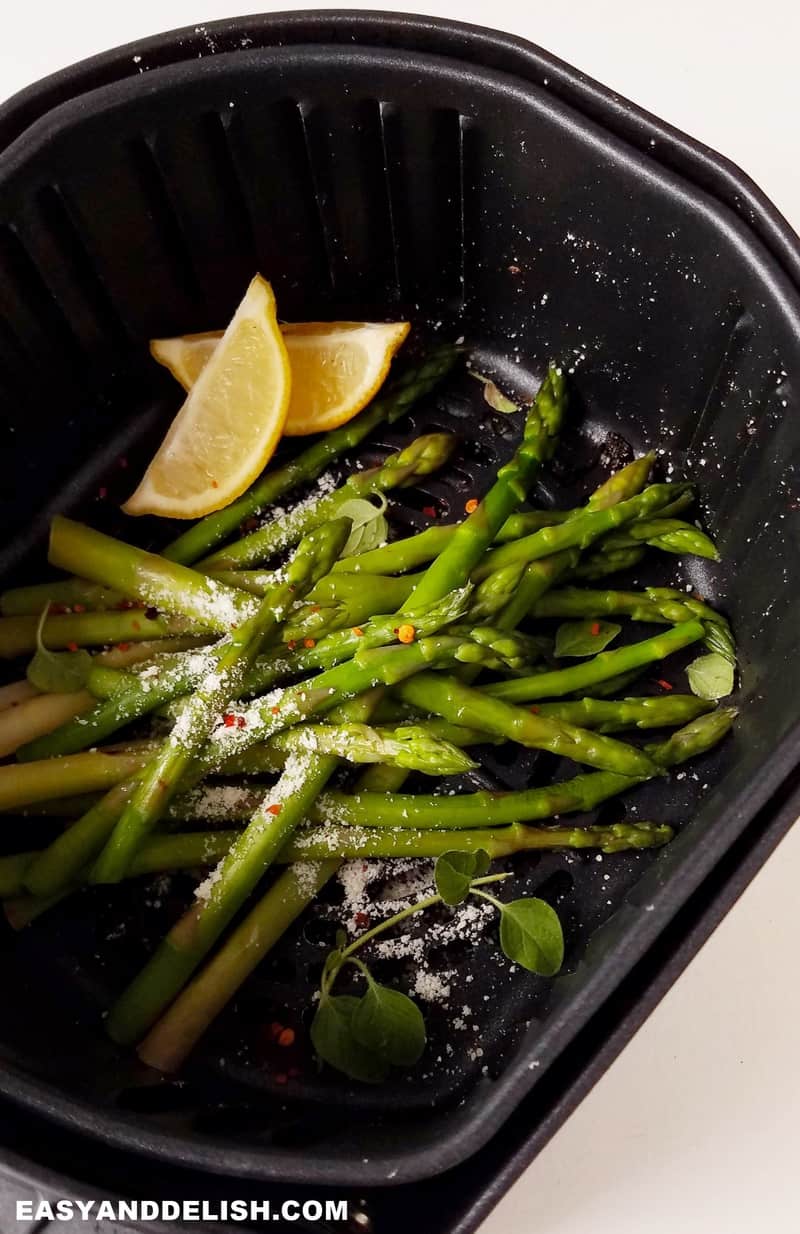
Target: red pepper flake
(79, 608)
(514, 270)
(315, 608)
(275, 809)
(228, 720)
(361, 920)
(275, 1029)
(214, 484)
(102, 492)
(136, 625)
(665, 685)
(281, 1078)
(275, 710)
(595, 627)
(429, 511)
(72, 646)
(291, 644)
(163, 784)
(248, 524)
(123, 646)
(241, 722)
(122, 462)
(55, 609)
(309, 642)
(359, 633)
(406, 633)
(534, 710)
(286, 1037)
(472, 505)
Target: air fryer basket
(479, 205)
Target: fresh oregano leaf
(494, 396)
(390, 1025)
(369, 526)
(335, 1042)
(57, 672)
(584, 638)
(711, 676)
(454, 872)
(531, 935)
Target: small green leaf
(711, 676)
(495, 397)
(57, 672)
(531, 935)
(455, 871)
(335, 1042)
(584, 638)
(370, 528)
(390, 1025)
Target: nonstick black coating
(477, 205)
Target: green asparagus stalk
(472, 537)
(607, 664)
(603, 563)
(668, 534)
(161, 778)
(172, 1038)
(222, 895)
(185, 1020)
(61, 593)
(63, 632)
(62, 863)
(579, 532)
(461, 704)
(38, 716)
(171, 678)
(579, 794)
(422, 457)
(401, 394)
(150, 578)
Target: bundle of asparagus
(272, 659)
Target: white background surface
(695, 1129)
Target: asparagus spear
(461, 704)
(581, 793)
(422, 457)
(18, 634)
(172, 677)
(158, 582)
(162, 776)
(194, 1008)
(326, 847)
(405, 390)
(668, 534)
(61, 863)
(38, 716)
(602, 563)
(578, 532)
(470, 540)
(219, 899)
(607, 664)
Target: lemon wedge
(231, 421)
(337, 367)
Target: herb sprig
(364, 1037)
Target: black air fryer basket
(382, 166)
